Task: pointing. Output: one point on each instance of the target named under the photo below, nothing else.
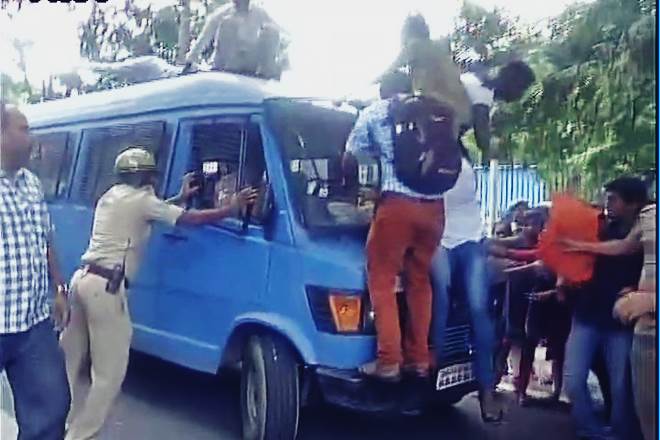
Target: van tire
(270, 396)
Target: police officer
(100, 325)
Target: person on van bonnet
(246, 39)
(463, 243)
(100, 326)
(404, 235)
(594, 327)
(29, 352)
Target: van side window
(51, 160)
(100, 146)
(216, 153)
(228, 156)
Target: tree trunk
(183, 45)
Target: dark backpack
(427, 156)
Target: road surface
(161, 401)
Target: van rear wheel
(269, 390)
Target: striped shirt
(372, 134)
(24, 230)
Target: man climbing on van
(247, 41)
(419, 159)
(462, 254)
(432, 68)
(100, 326)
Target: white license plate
(454, 375)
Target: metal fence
(515, 183)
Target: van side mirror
(261, 212)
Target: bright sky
(338, 46)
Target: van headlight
(340, 311)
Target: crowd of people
(421, 232)
(427, 227)
(440, 233)
(589, 326)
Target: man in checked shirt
(29, 351)
(404, 235)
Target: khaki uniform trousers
(100, 330)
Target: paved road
(164, 402)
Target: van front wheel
(269, 390)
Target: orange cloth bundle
(574, 219)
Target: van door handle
(175, 237)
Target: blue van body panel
(71, 224)
(198, 286)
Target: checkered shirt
(372, 134)
(24, 230)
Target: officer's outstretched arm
(205, 216)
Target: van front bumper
(349, 389)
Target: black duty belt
(98, 270)
(114, 277)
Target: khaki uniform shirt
(122, 225)
(250, 24)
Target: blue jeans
(34, 364)
(468, 261)
(583, 343)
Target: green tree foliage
(121, 29)
(591, 114)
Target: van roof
(196, 90)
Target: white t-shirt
(462, 210)
(462, 206)
(476, 91)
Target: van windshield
(312, 135)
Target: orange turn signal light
(346, 312)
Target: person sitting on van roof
(246, 39)
(100, 323)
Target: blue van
(280, 291)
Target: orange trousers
(404, 236)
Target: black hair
(512, 80)
(519, 71)
(395, 82)
(632, 190)
(536, 216)
(415, 26)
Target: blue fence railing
(515, 183)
